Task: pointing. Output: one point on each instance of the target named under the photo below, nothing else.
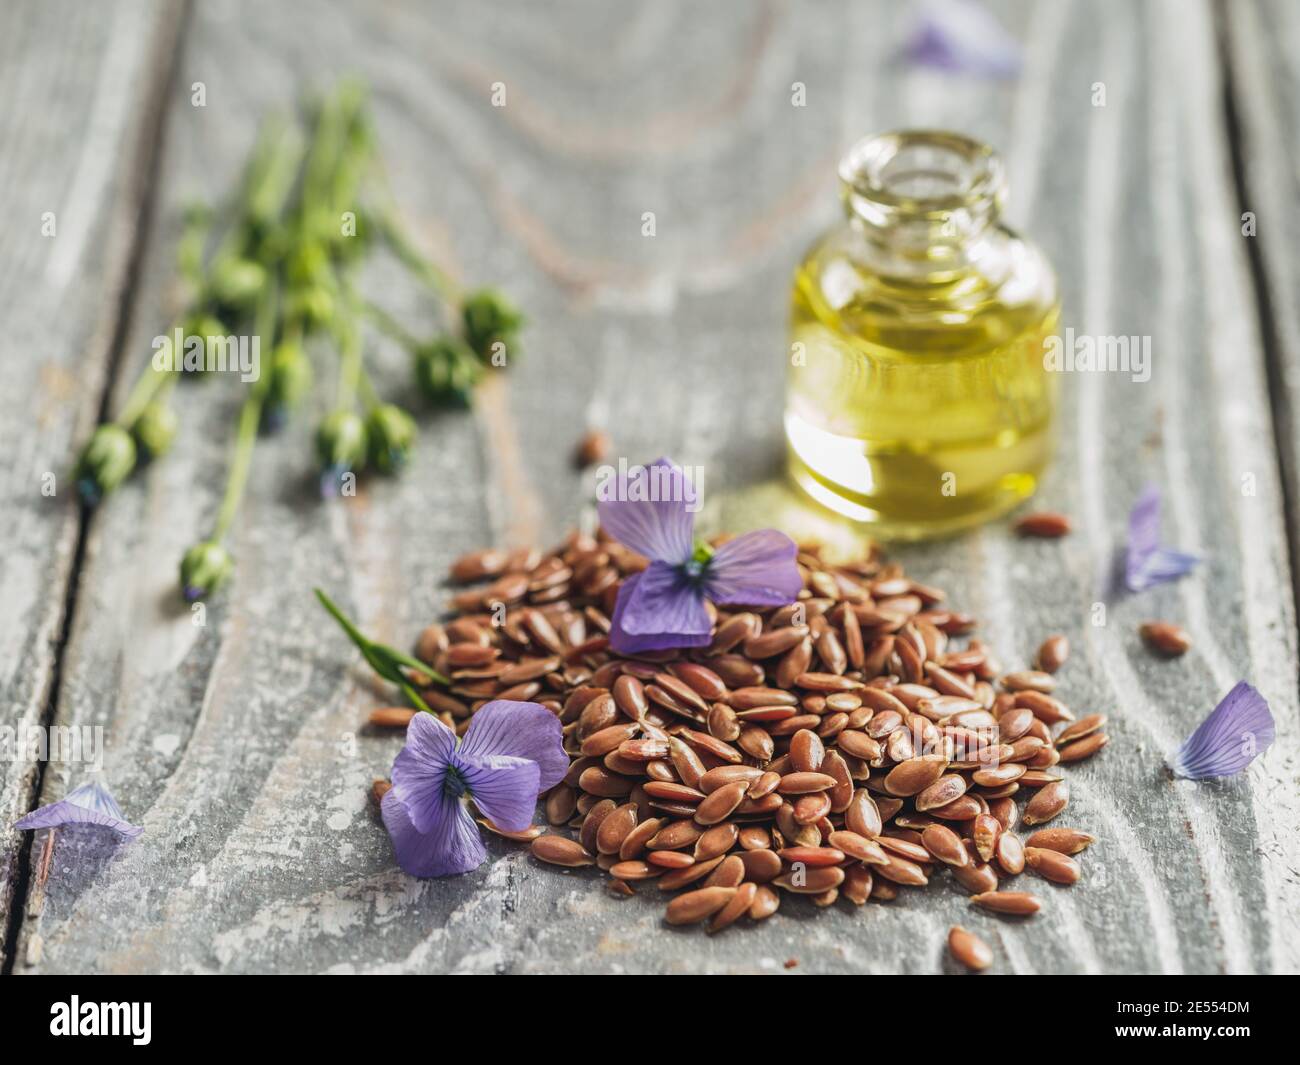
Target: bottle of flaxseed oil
(917, 400)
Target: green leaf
(387, 661)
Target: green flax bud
(203, 326)
(446, 371)
(155, 430)
(390, 433)
(106, 461)
(490, 318)
(341, 445)
(313, 305)
(290, 379)
(309, 263)
(237, 284)
(203, 568)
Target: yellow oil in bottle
(917, 398)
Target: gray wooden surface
(238, 744)
(82, 98)
(1266, 113)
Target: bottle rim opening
(921, 173)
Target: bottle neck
(924, 203)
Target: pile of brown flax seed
(843, 746)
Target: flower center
(696, 566)
(454, 784)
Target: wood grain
(238, 744)
(76, 136)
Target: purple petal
(503, 788)
(755, 569)
(930, 47)
(963, 36)
(1143, 531)
(519, 730)
(420, 769)
(646, 511)
(452, 845)
(1238, 730)
(90, 804)
(1160, 566)
(1146, 563)
(657, 609)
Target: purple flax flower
(963, 36)
(510, 753)
(1238, 730)
(1147, 563)
(663, 606)
(90, 804)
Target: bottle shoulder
(1005, 286)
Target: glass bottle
(917, 398)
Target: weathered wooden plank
(81, 86)
(1264, 97)
(236, 744)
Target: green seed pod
(290, 379)
(313, 305)
(237, 284)
(203, 568)
(390, 433)
(491, 319)
(341, 445)
(155, 430)
(106, 461)
(195, 360)
(446, 371)
(309, 263)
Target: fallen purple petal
(646, 510)
(1146, 562)
(1160, 567)
(90, 804)
(963, 36)
(1238, 731)
(755, 569)
(657, 609)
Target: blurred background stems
(207, 564)
(250, 417)
(278, 257)
(420, 267)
